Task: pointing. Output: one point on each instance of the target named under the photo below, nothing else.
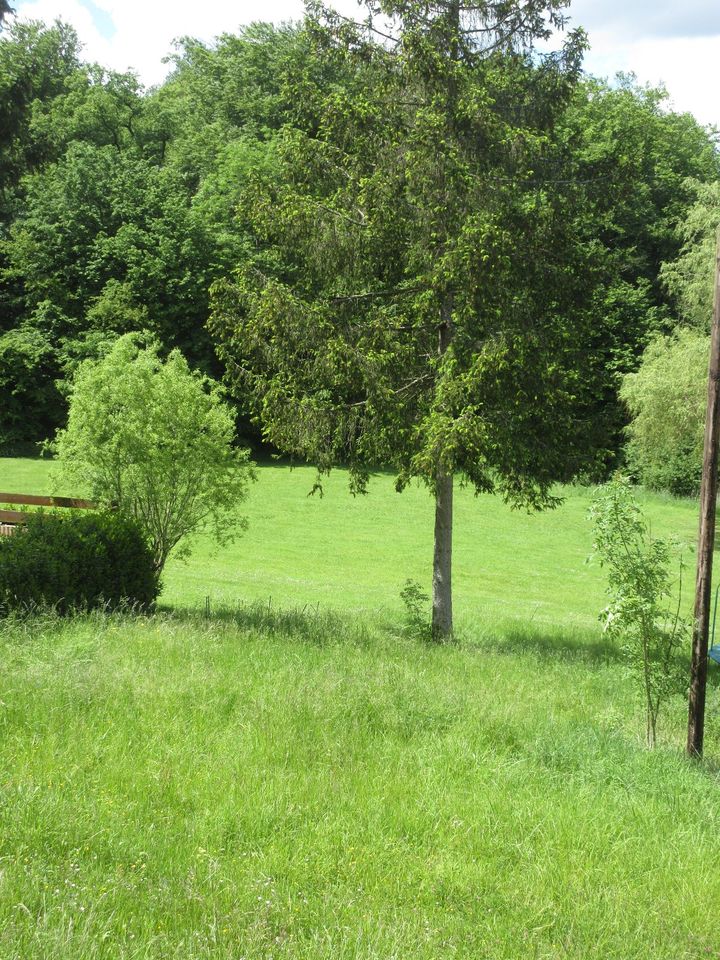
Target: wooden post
(706, 538)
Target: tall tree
(635, 157)
(105, 243)
(419, 297)
(35, 64)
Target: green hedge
(76, 561)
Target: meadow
(354, 554)
(294, 776)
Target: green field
(294, 777)
(354, 554)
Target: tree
(419, 296)
(644, 160)
(690, 277)
(636, 158)
(667, 395)
(36, 62)
(666, 399)
(155, 440)
(100, 216)
(27, 382)
(106, 243)
(120, 204)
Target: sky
(665, 41)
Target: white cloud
(145, 31)
(659, 40)
(688, 66)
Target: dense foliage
(79, 561)
(119, 207)
(391, 227)
(156, 441)
(689, 278)
(666, 399)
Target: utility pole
(706, 537)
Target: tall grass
(298, 784)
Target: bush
(417, 616)
(157, 440)
(76, 561)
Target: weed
(417, 617)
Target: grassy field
(286, 780)
(354, 554)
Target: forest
(124, 209)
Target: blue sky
(644, 18)
(102, 19)
(659, 40)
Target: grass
(259, 785)
(354, 554)
(283, 779)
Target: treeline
(120, 207)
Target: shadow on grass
(309, 622)
(320, 625)
(551, 643)
(578, 644)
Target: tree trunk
(442, 617)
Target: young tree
(155, 440)
(419, 297)
(644, 614)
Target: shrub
(156, 440)
(417, 617)
(77, 561)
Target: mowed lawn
(296, 778)
(355, 553)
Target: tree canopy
(667, 398)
